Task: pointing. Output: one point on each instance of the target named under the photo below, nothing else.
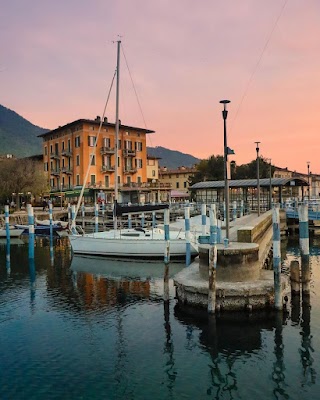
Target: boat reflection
(122, 269)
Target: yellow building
(177, 179)
(67, 151)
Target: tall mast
(117, 132)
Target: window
(106, 142)
(78, 160)
(119, 180)
(52, 182)
(62, 145)
(138, 163)
(93, 160)
(118, 161)
(106, 181)
(63, 163)
(153, 172)
(45, 150)
(69, 145)
(51, 149)
(78, 180)
(139, 146)
(91, 141)
(51, 165)
(139, 181)
(92, 179)
(177, 185)
(77, 141)
(119, 144)
(128, 144)
(46, 166)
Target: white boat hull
(140, 246)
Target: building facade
(67, 152)
(178, 178)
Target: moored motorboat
(39, 229)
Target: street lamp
(226, 183)
(308, 164)
(258, 180)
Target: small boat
(14, 232)
(39, 229)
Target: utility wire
(258, 63)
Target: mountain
(17, 135)
(172, 158)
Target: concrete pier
(242, 283)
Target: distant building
(178, 178)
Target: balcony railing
(55, 171)
(129, 153)
(66, 170)
(55, 156)
(107, 150)
(66, 153)
(107, 168)
(129, 170)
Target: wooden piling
(303, 229)
(305, 274)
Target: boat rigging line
(258, 64)
(93, 151)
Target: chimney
(105, 120)
(97, 118)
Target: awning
(76, 193)
(177, 194)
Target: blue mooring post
(224, 212)
(304, 229)
(167, 235)
(96, 217)
(276, 258)
(187, 233)
(6, 216)
(234, 210)
(212, 260)
(51, 234)
(73, 219)
(219, 231)
(203, 218)
(103, 206)
(154, 221)
(129, 221)
(166, 255)
(31, 230)
(142, 220)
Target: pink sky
(57, 60)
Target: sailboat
(129, 243)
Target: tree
(21, 176)
(212, 169)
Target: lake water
(69, 334)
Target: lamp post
(270, 184)
(308, 165)
(258, 180)
(226, 183)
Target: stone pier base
(192, 289)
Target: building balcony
(67, 170)
(129, 170)
(66, 153)
(107, 168)
(55, 156)
(55, 171)
(129, 153)
(107, 150)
